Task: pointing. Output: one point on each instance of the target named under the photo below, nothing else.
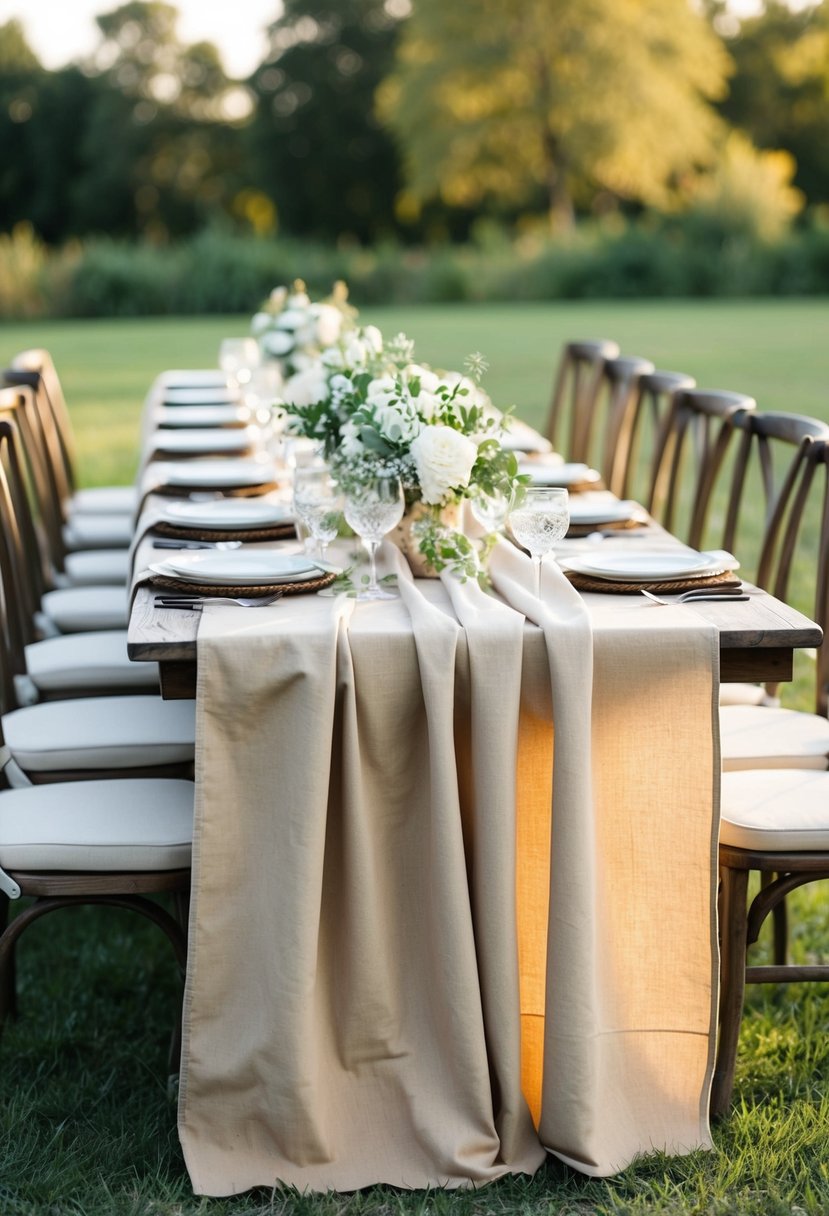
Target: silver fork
(195, 603)
(692, 597)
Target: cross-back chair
(779, 480)
(652, 400)
(65, 610)
(37, 369)
(576, 383)
(608, 426)
(689, 458)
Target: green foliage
(316, 148)
(521, 100)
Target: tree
(501, 99)
(780, 91)
(319, 151)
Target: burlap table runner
(401, 944)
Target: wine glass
(318, 502)
(491, 510)
(372, 510)
(539, 518)
(237, 359)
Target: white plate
(610, 513)
(227, 513)
(209, 440)
(183, 416)
(218, 473)
(559, 475)
(522, 438)
(237, 567)
(648, 567)
(198, 396)
(194, 377)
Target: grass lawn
(87, 1124)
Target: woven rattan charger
(210, 590)
(583, 582)
(285, 531)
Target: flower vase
(404, 536)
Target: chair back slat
(576, 383)
(690, 454)
(650, 404)
(608, 425)
(55, 419)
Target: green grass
(87, 1123)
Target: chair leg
(8, 969)
(733, 933)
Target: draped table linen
(453, 879)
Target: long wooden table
(757, 638)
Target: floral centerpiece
(293, 330)
(376, 412)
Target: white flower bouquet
(375, 412)
(293, 330)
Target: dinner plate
(207, 440)
(227, 513)
(648, 567)
(218, 473)
(208, 395)
(548, 474)
(183, 416)
(237, 567)
(608, 513)
(194, 377)
(522, 438)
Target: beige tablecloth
(421, 952)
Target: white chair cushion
(101, 732)
(776, 810)
(139, 824)
(105, 500)
(87, 660)
(81, 609)
(98, 532)
(764, 737)
(109, 566)
(746, 694)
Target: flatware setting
(195, 603)
(723, 592)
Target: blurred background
(183, 159)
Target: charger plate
(583, 582)
(208, 590)
(273, 532)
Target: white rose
(429, 380)
(350, 442)
(443, 459)
(426, 405)
(278, 343)
(373, 339)
(306, 387)
(329, 324)
(261, 321)
(397, 423)
(291, 318)
(333, 357)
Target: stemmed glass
(318, 502)
(372, 510)
(491, 510)
(237, 359)
(539, 518)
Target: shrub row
(220, 273)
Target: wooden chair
(37, 369)
(115, 843)
(608, 426)
(690, 455)
(780, 469)
(650, 406)
(90, 664)
(574, 390)
(83, 550)
(775, 821)
(57, 610)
